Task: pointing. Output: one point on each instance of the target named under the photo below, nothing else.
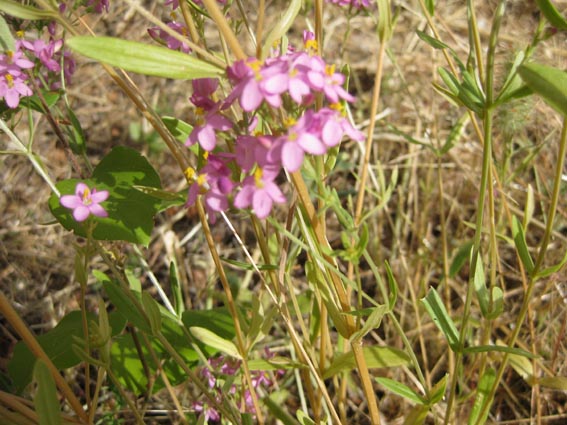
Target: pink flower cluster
(261, 151)
(358, 4)
(219, 369)
(15, 65)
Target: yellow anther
(330, 70)
(258, 177)
(189, 174)
(337, 107)
(289, 122)
(87, 196)
(9, 80)
(20, 34)
(311, 45)
(202, 179)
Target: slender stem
(485, 184)
(539, 262)
(21, 329)
(225, 29)
(232, 308)
(260, 28)
(131, 405)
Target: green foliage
(550, 83)
(57, 344)
(46, 401)
(438, 313)
(281, 26)
(552, 14)
(376, 357)
(130, 211)
(143, 58)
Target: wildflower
(203, 89)
(357, 4)
(45, 52)
(322, 77)
(85, 202)
(204, 131)
(12, 88)
(248, 77)
(14, 62)
(99, 5)
(260, 191)
(172, 43)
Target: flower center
(9, 80)
(87, 197)
(258, 178)
(330, 70)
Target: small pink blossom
(260, 191)
(12, 88)
(85, 202)
(173, 43)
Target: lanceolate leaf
(46, 401)
(437, 311)
(21, 11)
(143, 58)
(376, 357)
(482, 392)
(550, 83)
(401, 390)
(552, 14)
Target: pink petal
(80, 189)
(81, 213)
(97, 210)
(244, 198)
(311, 144)
(207, 138)
(332, 133)
(71, 201)
(98, 197)
(261, 204)
(251, 96)
(292, 156)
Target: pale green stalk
(485, 184)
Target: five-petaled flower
(85, 202)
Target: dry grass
(36, 256)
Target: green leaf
(550, 83)
(455, 134)
(430, 5)
(179, 129)
(393, 285)
(438, 391)
(247, 266)
(151, 308)
(125, 305)
(46, 401)
(521, 246)
(554, 382)
(57, 344)
(213, 340)
(21, 11)
(278, 412)
(553, 269)
(373, 322)
(480, 286)
(461, 257)
(7, 41)
(401, 389)
(77, 142)
(384, 20)
(484, 386)
(433, 42)
(552, 14)
(499, 348)
(304, 418)
(275, 363)
(282, 25)
(33, 102)
(497, 300)
(143, 58)
(130, 212)
(375, 356)
(217, 320)
(437, 311)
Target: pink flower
(12, 88)
(322, 77)
(173, 43)
(85, 202)
(260, 191)
(203, 89)
(45, 52)
(205, 130)
(14, 62)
